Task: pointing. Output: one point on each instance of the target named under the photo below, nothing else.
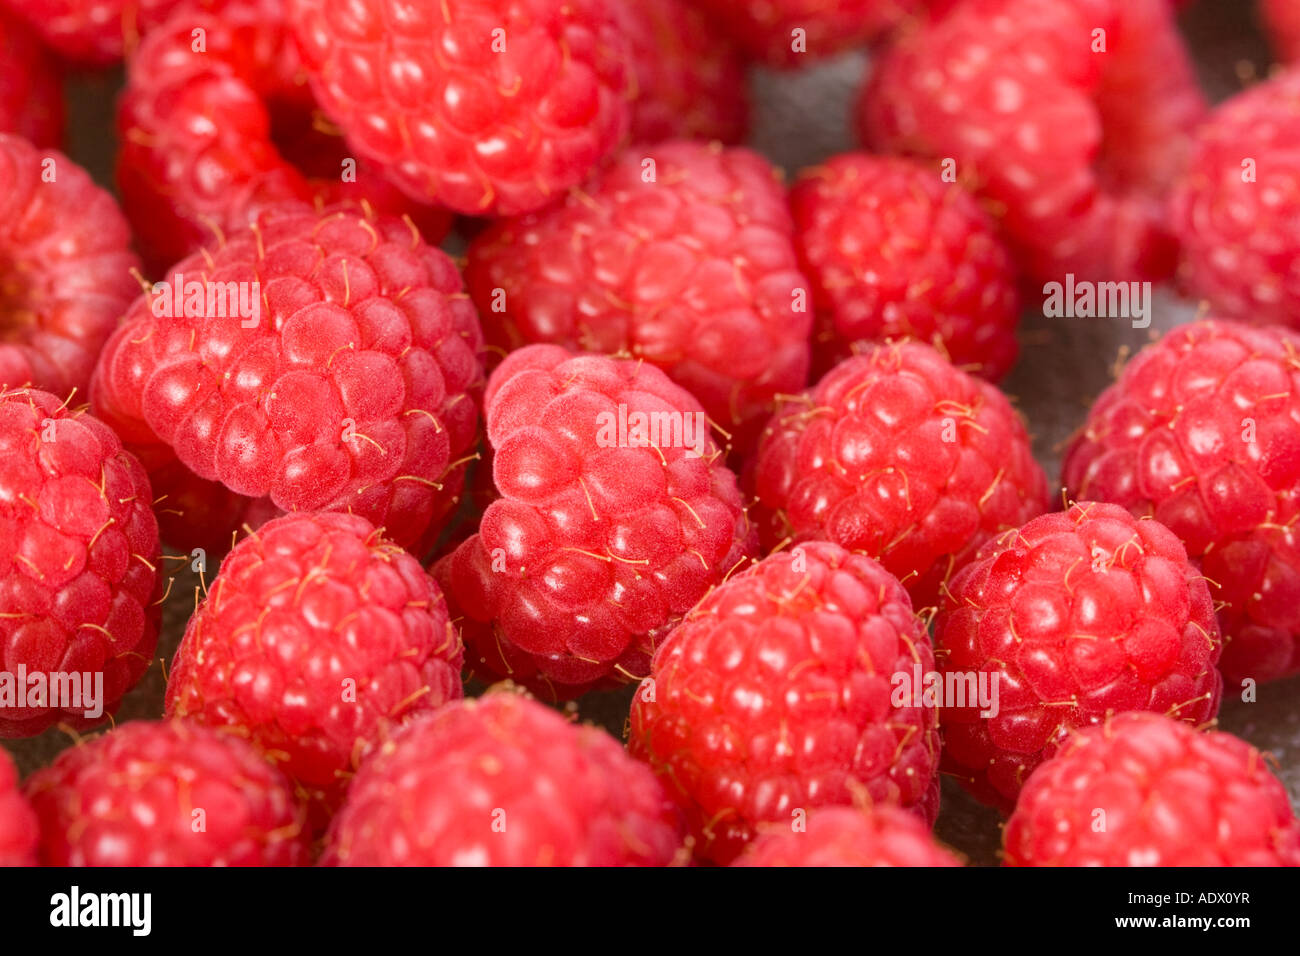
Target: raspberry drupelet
(19, 830)
(1281, 18)
(95, 33)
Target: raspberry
(353, 390)
(65, 268)
(899, 455)
(766, 28)
(600, 541)
(693, 271)
(31, 89)
(503, 781)
(1076, 616)
(193, 513)
(1075, 147)
(1171, 797)
(894, 251)
(137, 795)
(1237, 209)
(773, 697)
(488, 107)
(18, 827)
(78, 542)
(201, 132)
(1282, 21)
(317, 637)
(845, 836)
(1202, 432)
(690, 81)
(93, 32)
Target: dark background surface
(800, 119)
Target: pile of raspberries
(665, 424)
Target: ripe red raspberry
(351, 390)
(1282, 21)
(1076, 146)
(1202, 432)
(18, 828)
(166, 793)
(1237, 208)
(31, 89)
(65, 268)
(775, 696)
(605, 533)
(503, 781)
(893, 251)
(848, 836)
(899, 455)
(194, 513)
(1170, 797)
(766, 28)
(488, 107)
(690, 81)
(1074, 617)
(693, 271)
(78, 547)
(211, 135)
(317, 638)
(94, 32)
